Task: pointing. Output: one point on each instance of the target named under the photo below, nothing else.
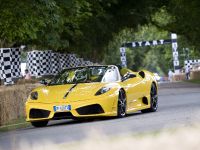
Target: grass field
(15, 124)
(194, 81)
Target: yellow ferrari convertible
(92, 91)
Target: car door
(134, 88)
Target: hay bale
(195, 75)
(179, 77)
(12, 100)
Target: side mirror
(142, 74)
(127, 76)
(44, 82)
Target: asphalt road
(179, 105)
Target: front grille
(62, 115)
(90, 110)
(39, 113)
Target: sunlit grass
(15, 124)
(194, 81)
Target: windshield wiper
(70, 90)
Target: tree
(181, 17)
(87, 26)
(22, 22)
(153, 58)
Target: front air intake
(63, 115)
(145, 100)
(39, 113)
(90, 110)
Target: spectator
(170, 75)
(187, 72)
(27, 75)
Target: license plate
(62, 108)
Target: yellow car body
(80, 100)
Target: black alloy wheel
(121, 107)
(154, 98)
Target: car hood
(57, 93)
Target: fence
(10, 61)
(39, 63)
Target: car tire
(39, 123)
(154, 100)
(121, 105)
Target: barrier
(47, 62)
(9, 64)
(195, 75)
(39, 63)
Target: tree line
(87, 27)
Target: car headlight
(34, 95)
(102, 91)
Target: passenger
(27, 75)
(187, 72)
(170, 75)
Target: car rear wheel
(121, 107)
(40, 123)
(154, 100)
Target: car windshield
(79, 75)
